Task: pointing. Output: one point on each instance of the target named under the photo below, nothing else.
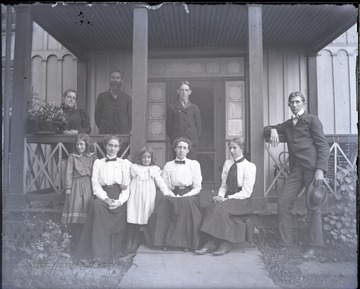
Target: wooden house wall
(336, 73)
(285, 71)
(54, 68)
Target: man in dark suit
(308, 159)
(113, 110)
(183, 118)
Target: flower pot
(33, 125)
(48, 126)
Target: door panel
(209, 96)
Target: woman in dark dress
(77, 120)
(176, 219)
(104, 235)
(220, 224)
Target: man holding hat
(308, 159)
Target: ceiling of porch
(83, 27)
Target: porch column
(312, 96)
(139, 79)
(20, 96)
(256, 100)
(82, 85)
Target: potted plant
(45, 117)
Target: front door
(209, 95)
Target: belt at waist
(182, 190)
(106, 187)
(229, 193)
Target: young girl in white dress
(145, 175)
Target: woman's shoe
(224, 248)
(207, 248)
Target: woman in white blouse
(176, 219)
(104, 233)
(220, 225)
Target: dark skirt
(228, 220)
(104, 234)
(175, 222)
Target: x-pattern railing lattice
(282, 167)
(46, 163)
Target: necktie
(294, 118)
(231, 180)
(180, 162)
(110, 160)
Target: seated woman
(233, 199)
(104, 234)
(176, 219)
(77, 120)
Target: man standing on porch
(308, 158)
(113, 112)
(183, 118)
(113, 108)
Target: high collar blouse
(110, 173)
(188, 174)
(246, 173)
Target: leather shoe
(309, 254)
(207, 248)
(224, 248)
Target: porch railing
(343, 151)
(46, 156)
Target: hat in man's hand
(316, 196)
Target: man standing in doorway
(308, 158)
(113, 112)
(183, 118)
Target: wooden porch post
(20, 96)
(312, 97)
(256, 100)
(139, 79)
(82, 86)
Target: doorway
(209, 95)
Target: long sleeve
(166, 176)
(97, 187)
(321, 144)
(197, 179)
(249, 176)
(85, 122)
(69, 172)
(126, 178)
(161, 184)
(98, 110)
(279, 127)
(198, 121)
(246, 179)
(223, 187)
(129, 113)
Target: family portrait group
(112, 204)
